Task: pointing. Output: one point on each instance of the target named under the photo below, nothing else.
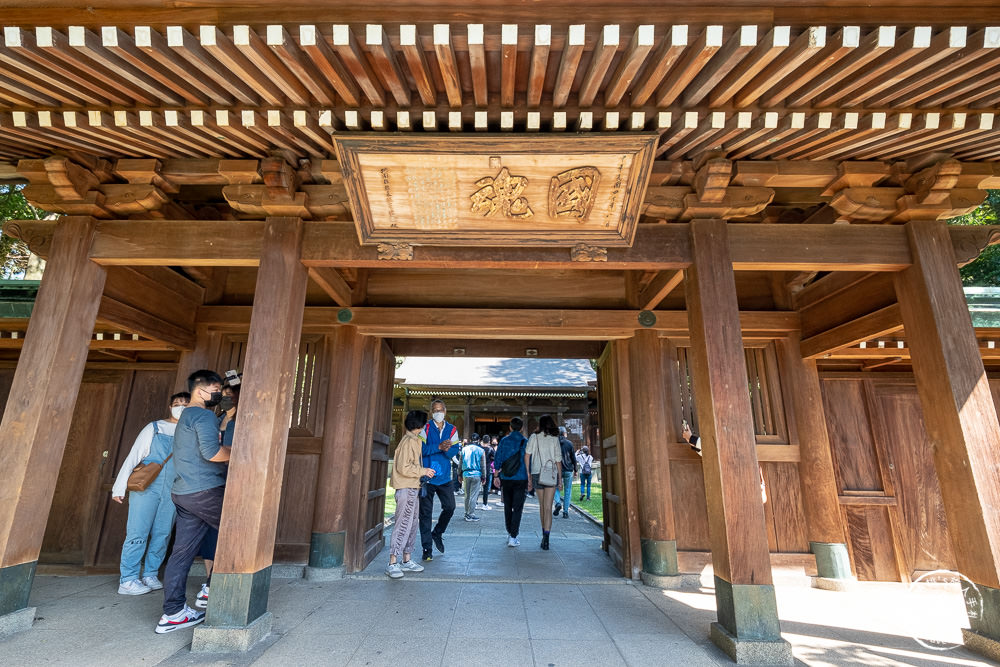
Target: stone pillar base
(752, 651)
(219, 639)
(839, 585)
(16, 621)
(832, 560)
(981, 644)
(659, 557)
(668, 581)
(327, 549)
(324, 573)
(238, 599)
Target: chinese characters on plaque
(571, 194)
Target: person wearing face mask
(440, 442)
(150, 512)
(199, 484)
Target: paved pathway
(585, 617)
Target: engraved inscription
(384, 172)
(430, 192)
(501, 196)
(572, 193)
(615, 192)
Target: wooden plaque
(496, 190)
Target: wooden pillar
(204, 355)
(237, 616)
(37, 418)
(961, 419)
(651, 411)
(748, 627)
(824, 523)
(333, 506)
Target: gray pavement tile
(640, 651)
(415, 619)
(548, 594)
(319, 649)
(406, 649)
(500, 594)
(614, 595)
(461, 652)
(471, 620)
(342, 617)
(560, 652)
(557, 619)
(638, 619)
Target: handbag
(145, 474)
(548, 475)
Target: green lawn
(593, 507)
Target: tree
(13, 252)
(984, 271)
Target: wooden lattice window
(763, 384)
(304, 408)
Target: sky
(496, 372)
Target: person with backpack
(586, 462)
(509, 461)
(489, 454)
(150, 512)
(543, 456)
(568, 468)
(473, 466)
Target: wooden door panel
(854, 456)
(786, 520)
(871, 545)
(687, 486)
(73, 530)
(922, 528)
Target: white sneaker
(410, 566)
(485, 507)
(153, 583)
(134, 587)
(182, 619)
(202, 600)
(394, 571)
(513, 542)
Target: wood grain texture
(958, 408)
(732, 485)
(38, 414)
(250, 510)
(627, 461)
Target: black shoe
(428, 554)
(558, 508)
(438, 542)
(565, 515)
(545, 542)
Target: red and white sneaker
(184, 618)
(202, 600)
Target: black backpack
(512, 464)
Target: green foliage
(985, 271)
(13, 206)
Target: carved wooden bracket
(680, 203)
(932, 185)
(38, 243)
(395, 251)
(969, 241)
(582, 252)
(712, 180)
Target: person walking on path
(586, 462)
(473, 461)
(568, 468)
(150, 512)
(199, 484)
(513, 478)
(407, 469)
(543, 458)
(489, 454)
(440, 443)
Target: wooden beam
(957, 405)
(541, 349)
(494, 323)
(46, 383)
(128, 318)
(663, 284)
(880, 323)
(332, 283)
(250, 511)
(737, 529)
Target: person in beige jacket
(407, 469)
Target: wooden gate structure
(736, 199)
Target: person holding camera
(408, 474)
(150, 512)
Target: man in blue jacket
(513, 479)
(440, 443)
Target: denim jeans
(150, 521)
(585, 483)
(567, 492)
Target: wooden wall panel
(70, 534)
(923, 527)
(787, 522)
(147, 401)
(854, 456)
(687, 482)
(295, 513)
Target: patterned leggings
(404, 532)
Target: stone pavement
(482, 602)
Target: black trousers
(196, 514)
(487, 487)
(513, 491)
(446, 493)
